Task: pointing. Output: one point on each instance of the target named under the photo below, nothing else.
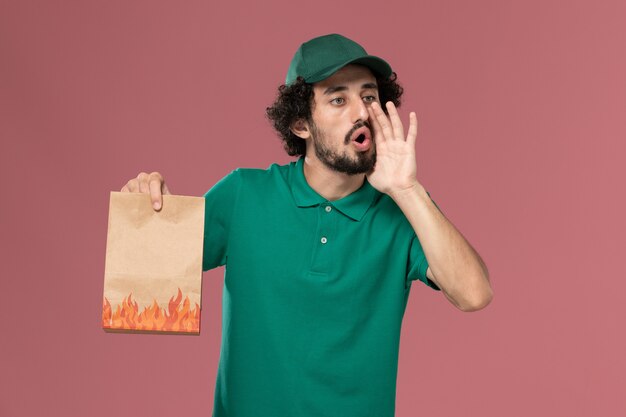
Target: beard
(342, 162)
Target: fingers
(391, 127)
(131, 186)
(412, 135)
(396, 124)
(155, 190)
(378, 136)
(152, 184)
(144, 187)
(380, 117)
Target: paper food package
(153, 269)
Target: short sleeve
(220, 202)
(418, 264)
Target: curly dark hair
(294, 101)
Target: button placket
(323, 253)
(324, 239)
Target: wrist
(410, 192)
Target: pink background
(522, 125)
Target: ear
(300, 128)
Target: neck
(330, 184)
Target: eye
(337, 100)
(369, 99)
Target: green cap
(321, 57)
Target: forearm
(456, 267)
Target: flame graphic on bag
(176, 318)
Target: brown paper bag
(153, 270)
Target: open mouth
(362, 139)
(361, 135)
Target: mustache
(356, 126)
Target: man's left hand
(395, 171)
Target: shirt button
(323, 240)
(328, 209)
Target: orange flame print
(177, 318)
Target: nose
(359, 111)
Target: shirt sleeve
(418, 264)
(220, 202)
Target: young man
(320, 254)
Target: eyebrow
(335, 88)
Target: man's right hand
(152, 184)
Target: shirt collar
(354, 205)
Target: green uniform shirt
(314, 294)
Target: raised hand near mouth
(396, 166)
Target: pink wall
(521, 107)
